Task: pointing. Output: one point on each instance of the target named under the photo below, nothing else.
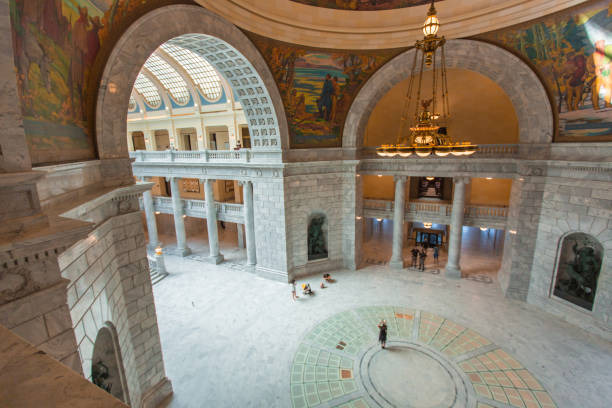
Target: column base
(156, 394)
(452, 272)
(396, 264)
(216, 260)
(153, 246)
(184, 251)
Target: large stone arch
(226, 47)
(519, 82)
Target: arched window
(578, 267)
(317, 237)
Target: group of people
(306, 289)
(420, 254)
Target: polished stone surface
(230, 338)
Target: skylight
(202, 73)
(145, 87)
(169, 78)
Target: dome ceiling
(363, 5)
(300, 22)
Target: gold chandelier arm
(418, 98)
(434, 84)
(445, 103)
(407, 100)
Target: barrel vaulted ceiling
(178, 74)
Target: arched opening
(521, 85)
(106, 364)
(579, 264)
(202, 33)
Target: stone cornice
(296, 23)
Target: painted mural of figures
(27, 48)
(334, 98)
(54, 24)
(575, 70)
(77, 66)
(93, 40)
(324, 103)
(599, 68)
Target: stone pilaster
(249, 223)
(453, 270)
(179, 222)
(147, 201)
(211, 223)
(398, 223)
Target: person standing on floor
(293, 294)
(382, 335)
(436, 254)
(422, 256)
(415, 254)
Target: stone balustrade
(439, 213)
(207, 156)
(229, 212)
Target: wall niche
(578, 267)
(317, 237)
(106, 364)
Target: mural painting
(363, 5)
(578, 269)
(318, 87)
(572, 52)
(55, 44)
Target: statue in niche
(578, 270)
(99, 375)
(317, 245)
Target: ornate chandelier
(427, 135)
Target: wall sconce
(513, 232)
(184, 216)
(380, 175)
(489, 178)
(379, 219)
(483, 228)
(358, 217)
(157, 212)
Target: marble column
(249, 223)
(453, 269)
(147, 202)
(398, 223)
(179, 222)
(211, 223)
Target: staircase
(156, 276)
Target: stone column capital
(461, 180)
(399, 178)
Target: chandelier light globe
(427, 225)
(430, 178)
(431, 26)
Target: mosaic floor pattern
(429, 362)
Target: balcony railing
(416, 210)
(205, 156)
(230, 212)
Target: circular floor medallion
(406, 377)
(430, 362)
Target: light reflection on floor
(481, 251)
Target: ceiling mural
(318, 87)
(572, 51)
(363, 5)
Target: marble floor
(231, 339)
